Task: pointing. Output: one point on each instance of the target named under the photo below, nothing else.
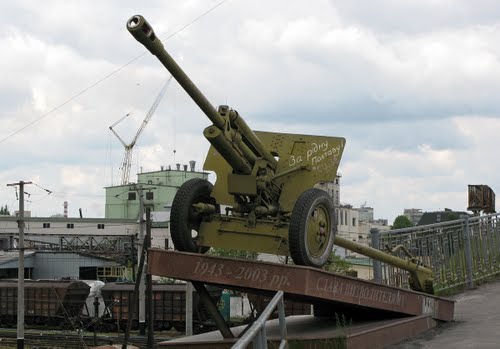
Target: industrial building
(158, 187)
(95, 248)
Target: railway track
(58, 339)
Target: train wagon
(46, 302)
(260, 302)
(169, 306)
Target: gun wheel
(312, 228)
(184, 220)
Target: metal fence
(460, 252)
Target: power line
(48, 191)
(106, 77)
(61, 193)
(72, 98)
(196, 19)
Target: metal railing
(256, 334)
(460, 252)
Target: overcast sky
(412, 85)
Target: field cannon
(265, 182)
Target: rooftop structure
(159, 188)
(440, 216)
(414, 214)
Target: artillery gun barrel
(421, 278)
(143, 32)
(241, 156)
(381, 256)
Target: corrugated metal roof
(10, 256)
(68, 220)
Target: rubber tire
(297, 234)
(182, 216)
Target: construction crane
(127, 159)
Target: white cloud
(412, 88)
(424, 178)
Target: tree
(402, 221)
(337, 264)
(4, 210)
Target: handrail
(459, 252)
(257, 333)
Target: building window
(149, 195)
(345, 218)
(131, 195)
(353, 221)
(100, 226)
(70, 226)
(46, 225)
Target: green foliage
(4, 211)
(170, 281)
(334, 264)
(337, 264)
(226, 252)
(402, 222)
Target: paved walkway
(476, 325)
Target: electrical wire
(61, 193)
(48, 191)
(105, 77)
(72, 98)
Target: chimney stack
(65, 209)
(192, 163)
(178, 166)
(185, 167)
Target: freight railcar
(169, 306)
(260, 302)
(46, 302)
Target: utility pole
(149, 283)
(20, 274)
(142, 282)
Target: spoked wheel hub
(312, 228)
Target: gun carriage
(265, 185)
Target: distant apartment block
(414, 214)
(351, 226)
(332, 188)
(365, 213)
(352, 223)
